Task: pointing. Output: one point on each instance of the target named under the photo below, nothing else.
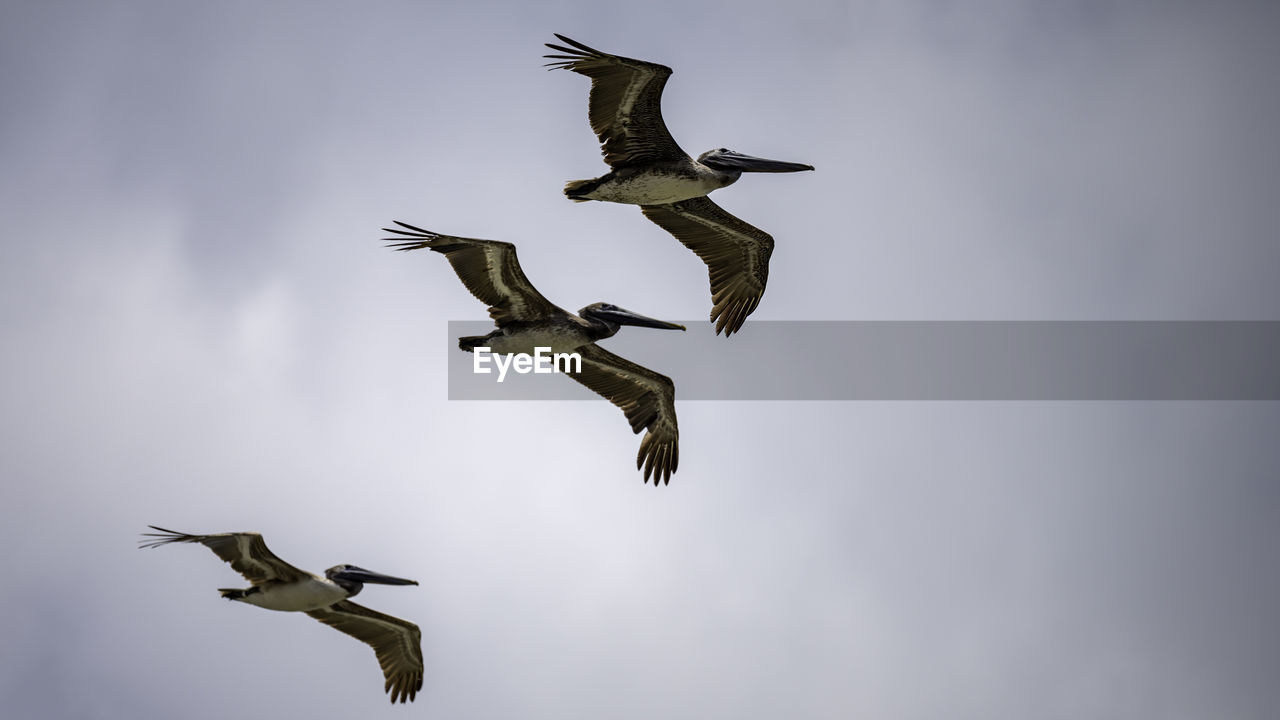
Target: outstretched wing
(245, 551)
(736, 254)
(625, 106)
(488, 268)
(647, 398)
(396, 642)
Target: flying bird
(277, 585)
(526, 320)
(650, 170)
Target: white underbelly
(653, 189)
(310, 594)
(527, 341)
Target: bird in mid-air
(649, 169)
(526, 320)
(277, 585)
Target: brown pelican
(650, 170)
(527, 320)
(277, 585)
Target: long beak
(626, 317)
(360, 575)
(747, 163)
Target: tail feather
(577, 190)
(471, 342)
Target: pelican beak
(626, 317)
(731, 160)
(360, 575)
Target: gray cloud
(203, 332)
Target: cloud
(203, 332)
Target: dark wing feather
(396, 642)
(736, 254)
(488, 268)
(648, 400)
(245, 551)
(625, 106)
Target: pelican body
(526, 320)
(562, 331)
(663, 182)
(649, 169)
(310, 591)
(277, 585)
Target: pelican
(526, 320)
(277, 585)
(650, 170)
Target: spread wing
(488, 268)
(736, 254)
(245, 551)
(648, 400)
(625, 106)
(396, 642)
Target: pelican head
(731, 161)
(614, 317)
(353, 578)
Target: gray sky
(203, 332)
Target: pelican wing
(488, 268)
(245, 551)
(626, 103)
(736, 254)
(396, 642)
(647, 398)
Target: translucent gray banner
(988, 360)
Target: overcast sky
(203, 332)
